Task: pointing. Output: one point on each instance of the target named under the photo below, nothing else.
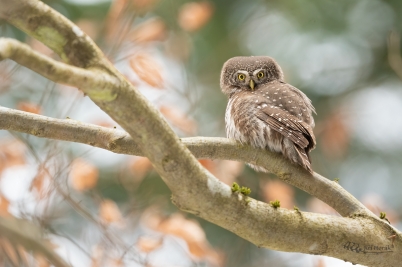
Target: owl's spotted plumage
(266, 112)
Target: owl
(266, 112)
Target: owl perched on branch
(266, 112)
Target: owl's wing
(289, 126)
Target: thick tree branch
(53, 70)
(269, 226)
(125, 104)
(194, 189)
(202, 147)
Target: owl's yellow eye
(260, 75)
(241, 77)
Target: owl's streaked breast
(243, 125)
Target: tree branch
(276, 229)
(123, 102)
(53, 70)
(201, 147)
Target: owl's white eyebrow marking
(258, 106)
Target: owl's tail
(303, 159)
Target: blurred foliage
(337, 52)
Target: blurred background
(104, 209)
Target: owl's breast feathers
(276, 116)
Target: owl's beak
(252, 84)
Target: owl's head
(248, 73)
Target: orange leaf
(179, 120)
(194, 15)
(189, 230)
(12, 153)
(208, 164)
(139, 167)
(113, 17)
(186, 229)
(116, 263)
(147, 70)
(104, 123)
(278, 190)
(83, 175)
(109, 212)
(320, 263)
(149, 244)
(29, 107)
(38, 183)
(335, 136)
(153, 29)
(229, 170)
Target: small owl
(266, 112)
